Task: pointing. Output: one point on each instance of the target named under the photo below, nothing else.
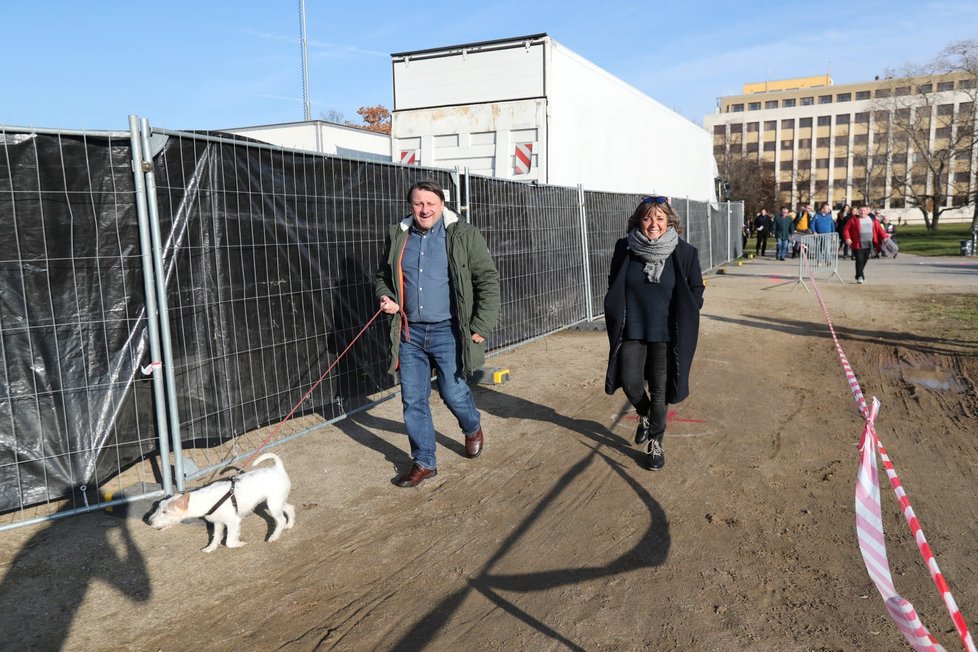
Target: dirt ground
(557, 537)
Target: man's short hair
(428, 184)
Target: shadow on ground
(650, 550)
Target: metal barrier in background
(259, 260)
(819, 257)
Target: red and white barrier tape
(869, 522)
(311, 389)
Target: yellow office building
(841, 144)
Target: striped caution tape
(869, 522)
(869, 531)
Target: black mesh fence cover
(268, 258)
(73, 402)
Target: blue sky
(212, 64)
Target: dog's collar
(229, 494)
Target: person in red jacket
(863, 234)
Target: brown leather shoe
(414, 477)
(473, 444)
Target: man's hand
(389, 306)
(478, 339)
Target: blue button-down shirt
(427, 293)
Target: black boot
(642, 432)
(656, 456)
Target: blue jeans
(435, 343)
(782, 249)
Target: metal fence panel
(270, 265)
(75, 411)
(267, 257)
(534, 237)
(607, 214)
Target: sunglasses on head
(655, 199)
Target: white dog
(225, 502)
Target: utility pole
(307, 113)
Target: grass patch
(961, 310)
(915, 239)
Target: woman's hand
(478, 339)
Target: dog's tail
(268, 456)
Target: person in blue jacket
(823, 222)
(652, 314)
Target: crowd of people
(862, 232)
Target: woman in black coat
(845, 214)
(652, 312)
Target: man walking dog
(442, 288)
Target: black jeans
(641, 363)
(761, 246)
(861, 256)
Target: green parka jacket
(474, 282)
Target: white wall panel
(469, 77)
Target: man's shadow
(46, 582)
(649, 550)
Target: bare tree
(333, 115)
(750, 179)
(961, 58)
(869, 172)
(929, 116)
(803, 181)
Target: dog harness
(229, 494)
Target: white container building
(528, 108)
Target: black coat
(684, 316)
